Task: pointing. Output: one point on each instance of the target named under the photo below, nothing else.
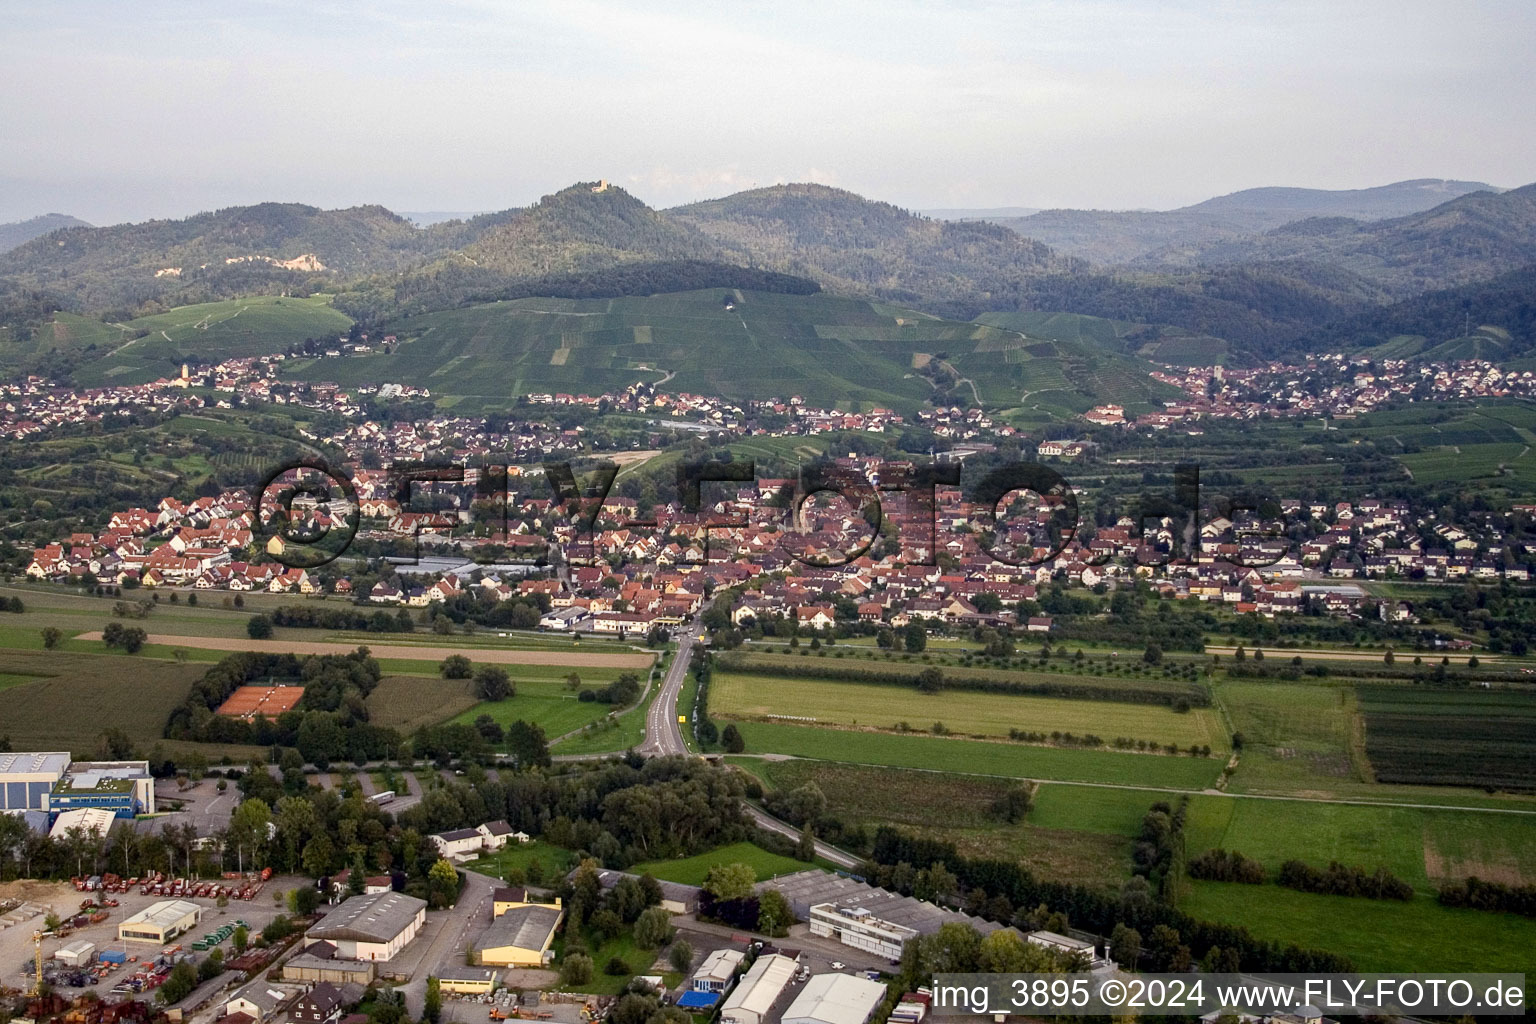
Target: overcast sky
(117, 111)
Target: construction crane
(37, 962)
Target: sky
(127, 111)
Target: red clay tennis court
(250, 701)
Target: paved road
(664, 737)
(447, 946)
(772, 824)
(663, 733)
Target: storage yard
(87, 952)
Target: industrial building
(123, 787)
(717, 971)
(807, 889)
(760, 987)
(835, 999)
(520, 937)
(95, 821)
(307, 966)
(467, 981)
(857, 927)
(373, 927)
(27, 779)
(161, 922)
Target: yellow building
(521, 931)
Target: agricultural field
(691, 870)
(829, 349)
(981, 757)
(1378, 935)
(135, 694)
(957, 809)
(967, 712)
(1296, 736)
(1451, 737)
(408, 702)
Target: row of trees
(1495, 896)
(1343, 880)
(998, 888)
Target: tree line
(1004, 883)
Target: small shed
(76, 954)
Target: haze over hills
(1262, 290)
(992, 213)
(1472, 237)
(22, 231)
(1114, 237)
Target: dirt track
(412, 652)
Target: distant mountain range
(18, 232)
(1266, 270)
(994, 213)
(1115, 237)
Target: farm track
(408, 652)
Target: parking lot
(16, 943)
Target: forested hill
(1113, 237)
(564, 244)
(1268, 294)
(871, 248)
(1494, 320)
(23, 231)
(211, 255)
(1473, 237)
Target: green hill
(155, 346)
(23, 231)
(858, 246)
(241, 250)
(833, 351)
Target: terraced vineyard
(830, 350)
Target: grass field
(691, 870)
(957, 809)
(973, 713)
(554, 861)
(1296, 736)
(544, 702)
(980, 757)
(1378, 935)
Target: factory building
(123, 787)
(372, 927)
(161, 922)
(760, 987)
(27, 779)
(835, 999)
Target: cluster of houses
(930, 565)
(1332, 384)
